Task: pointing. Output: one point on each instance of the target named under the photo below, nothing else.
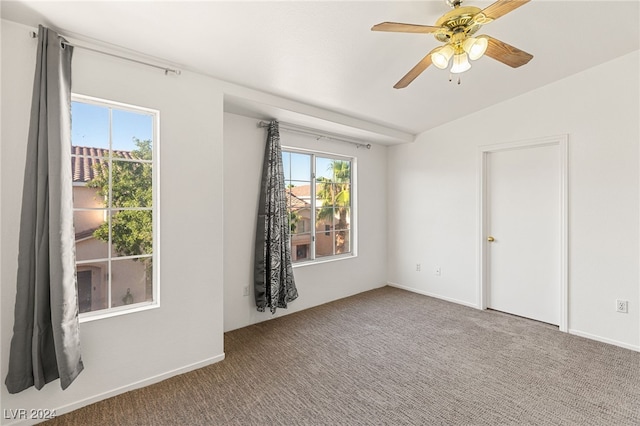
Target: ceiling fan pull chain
(458, 80)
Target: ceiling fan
(456, 29)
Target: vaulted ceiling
(323, 53)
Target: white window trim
(354, 207)
(155, 212)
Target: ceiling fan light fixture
(457, 30)
(460, 63)
(440, 57)
(475, 47)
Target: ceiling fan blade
(501, 7)
(397, 27)
(415, 71)
(505, 53)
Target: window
(115, 197)
(319, 194)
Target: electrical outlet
(418, 267)
(245, 290)
(622, 306)
(438, 271)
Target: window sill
(327, 260)
(114, 312)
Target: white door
(523, 219)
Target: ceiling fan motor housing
(458, 20)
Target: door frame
(562, 141)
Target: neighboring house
(127, 277)
(298, 202)
(300, 220)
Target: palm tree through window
(319, 199)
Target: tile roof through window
(301, 191)
(294, 202)
(85, 158)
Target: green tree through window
(131, 187)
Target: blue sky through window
(297, 167)
(90, 127)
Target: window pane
(342, 218)
(92, 234)
(326, 194)
(88, 198)
(132, 232)
(90, 125)
(342, 242)
(299, 220)
(131, 281)
(93, 190)
(300, 166)
(333, 194)
(300, 190)
(129, 128)
(131, 184)
(325, 216)
(92, 286)
(301, 247)
(341, 171)
(324, 243)
(324, 169)
(333, 243)
(304, 221)
(286, 165)
(87, 163)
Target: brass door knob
(490, 239)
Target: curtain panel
(45, 343)
(274, 284)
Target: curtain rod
(295, 128)
(166, 70)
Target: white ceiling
(323, 53)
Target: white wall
(186, 331)
(433, 196)
(244, 146)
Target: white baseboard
(437, 296)
(604, 340)
(132, 386)
(471, 305)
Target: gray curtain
(273, 274)
(45, 344)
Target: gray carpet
(392, 357)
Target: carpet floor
(391, 357)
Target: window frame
(353, 225)
(155, 210)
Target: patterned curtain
(46, 340)
(273, 274)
